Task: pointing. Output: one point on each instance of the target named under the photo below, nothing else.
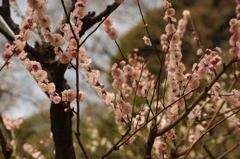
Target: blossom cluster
(32, 151)
(11, 125)
(37, 16)
(235, 38)
(110, 30)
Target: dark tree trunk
(61, 122)
(150, 141)
(61, 126)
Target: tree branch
(89, 20)
(6, 150)
(230, 150)
(5, 13)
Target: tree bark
(61, 126)
(150, 141)
(61, 122)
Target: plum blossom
(65, 58)
(40, 75)
(27, 64)
(166, 4)
(56, 40)
(43, 86)
(112, 33)
(234, 52)
(170, 12)
(68, 95)
(10, 125)
(56, 99)
(163, 146)
(147, 41)
(45, 21)
(51, 88)
(36, 66)
(117, 73)
(6, 55)
(110, 30)
(126, 108)
(81, 96)
(175, 39)
(170, 29)
(186, 14)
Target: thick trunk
(61, 126)
(61, 122)
(150, 142)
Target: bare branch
(5, 13)
(89, 20)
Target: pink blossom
(163, 146)
(140, 119)
(170, 133)
(65, 58)
(36, 66)
(186, 14)
(42, 8)
(40, 75)
(199, 51)
(194, 84)
(80, 4)
(51, 88)
(128, 71)
(56, 40)
(85, 63)
(117, 85)
(113, 33)
(8, 64)
(123, 63)
(175, 39)
(81, 96)
(80, 12)
(234, 39)
(117, 73)
(216, 60)
(27, 64)
(45, 21)
(144, 111)
(56, 99)
(170, 29)
(27, 35)
(166, 4)
(108, 98)
(143, 92)
(43, 86)
(136, 75)
(126, 108)
(34, 3)
(10, 125)
(170, 12)
(192, 138)
(233, 22)
(68, 95)
(108, 21)
(6, 55)
(147, 41)
(234, 52)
